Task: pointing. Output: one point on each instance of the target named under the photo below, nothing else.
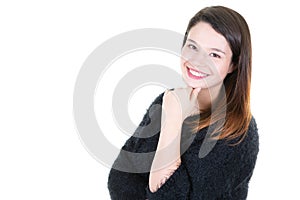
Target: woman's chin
(193, 85)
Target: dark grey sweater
(224, 173)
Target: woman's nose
(199, 59)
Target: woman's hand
(177, 105)
(180, 103)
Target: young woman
(203, 140)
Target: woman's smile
(195, 74)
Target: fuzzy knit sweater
(223, 172)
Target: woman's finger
(194, 93)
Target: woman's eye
(191, 46)
(214, 55)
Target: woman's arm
(128, 185)
(167, 158)
(177, 105)
(129, 175)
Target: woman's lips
(195, 74)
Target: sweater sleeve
(129, 175)
(176, 187)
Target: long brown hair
(235, 111)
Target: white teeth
(199, 74)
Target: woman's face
(205, 57)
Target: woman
(206, 144)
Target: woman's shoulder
(246, 146)
(158, 100)
(252, 137)
(251, 140)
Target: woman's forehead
(206, 37)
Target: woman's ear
(230, 69)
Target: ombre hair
(234, 106)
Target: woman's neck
(207, 96)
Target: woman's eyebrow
(218, 50)
(214, 49)
(192, 41)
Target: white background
(42, 47)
